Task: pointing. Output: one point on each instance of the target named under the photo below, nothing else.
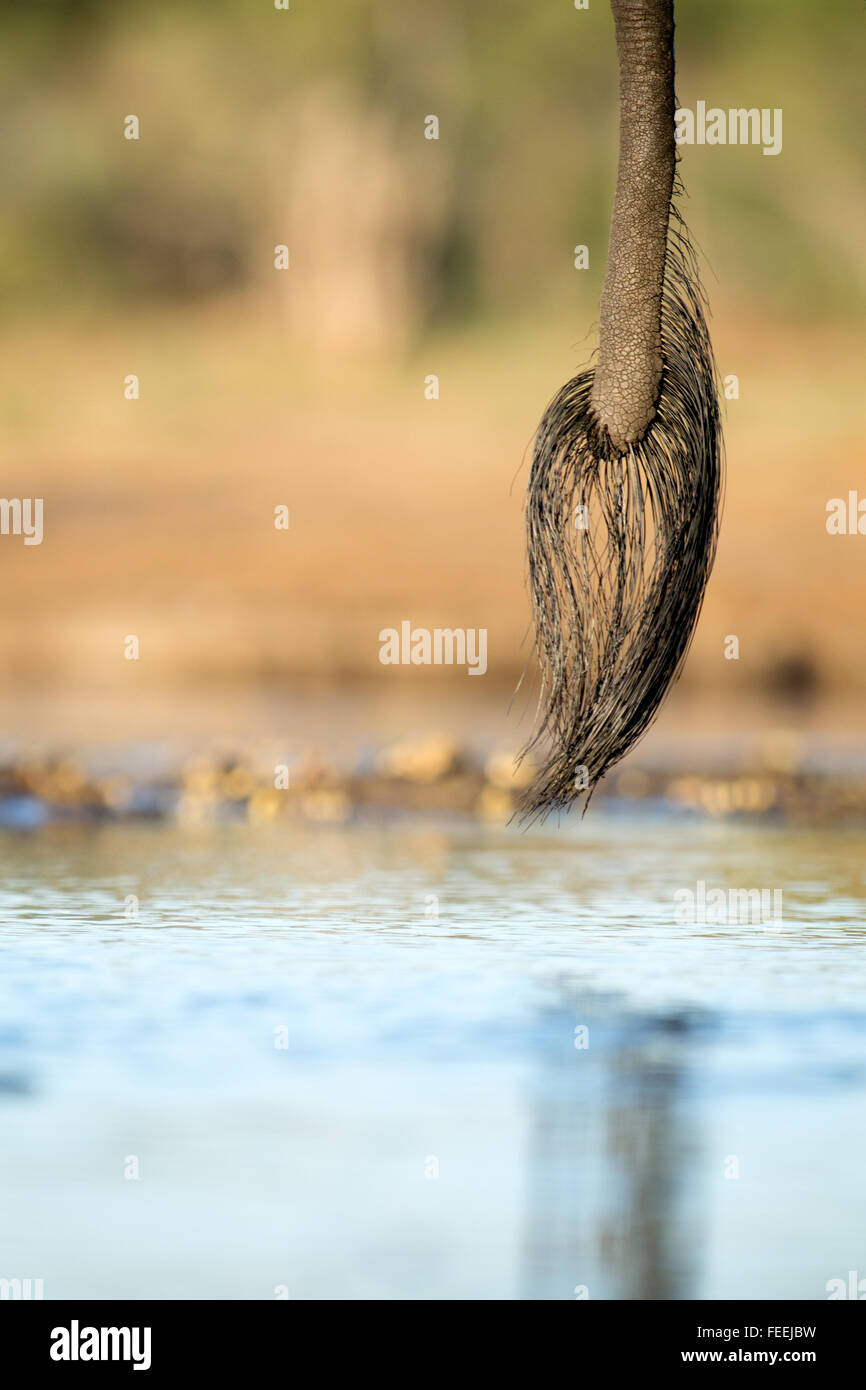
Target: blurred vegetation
(226, 92)
(408, 257)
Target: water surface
(430, 1061)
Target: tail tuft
(621, 544)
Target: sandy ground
(158, 518)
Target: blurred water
(328, 1090)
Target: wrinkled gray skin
(628, 372)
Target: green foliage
(526, 96)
